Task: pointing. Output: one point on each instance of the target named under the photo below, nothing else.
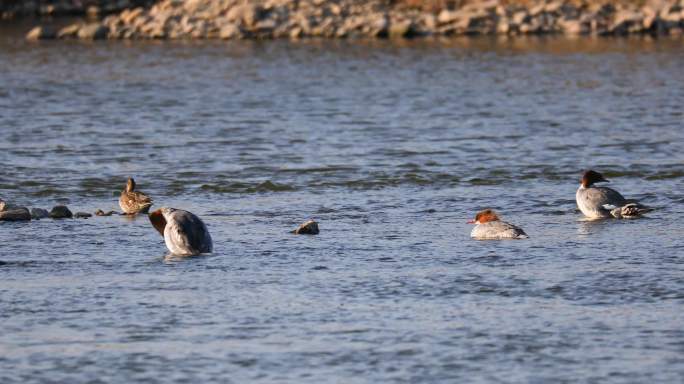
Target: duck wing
(190, 232)
(604, 197)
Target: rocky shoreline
(295, 19)
(12, 9)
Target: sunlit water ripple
(392, 147)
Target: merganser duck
(184, 233)
(603, 202)
(489, 226)
(133, 202)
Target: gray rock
(82, 215)
(18, 214)
(41, 33)
(61, 212)
(309, 227)
(39, 213)
(94, 31)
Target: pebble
(82, 215)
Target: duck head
(484, 216)
(130, 185)
(158, 220)
(591, 177)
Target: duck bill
(471, 222)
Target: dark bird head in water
(590, 177)
(158, 221)
(130, 185)
(484, 216)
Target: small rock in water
(61, 212)
(39, 213)
(100, 212)
(17, 214)
(82, 215)
(307, 228)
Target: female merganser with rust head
(184, 233)
(132, 202)
(489, 226)
(603, 202)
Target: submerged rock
(15, 214)
(39, 213)
(100, 212)
(61, 212)
(309, 227)
(82, 215)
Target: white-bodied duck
(603, 202)
(488, 226)
(184, 233)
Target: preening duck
(184, 233)
(133, 202)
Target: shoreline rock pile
(294, 19)
(10, 9)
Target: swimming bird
(184, 233)
(489, 226)
(603, 202)
(131, 201)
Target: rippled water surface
(391, 147)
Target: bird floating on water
(132, 201)
(488, 226)
(603, 202)
(184, 233)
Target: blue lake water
(392, 147)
